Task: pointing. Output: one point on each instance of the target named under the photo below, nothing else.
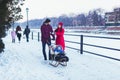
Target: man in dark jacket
(46, 31)
(27, 32)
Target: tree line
(92, 18)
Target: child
(13, 36)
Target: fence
(81, 44)
(35, 36)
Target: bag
(20, 32)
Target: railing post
(38, 36)
(81, 44)
(32, 35)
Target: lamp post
(13, 21)
(27, 9)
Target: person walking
(19, 33)
(46, 31)
(27, 32)
(59, 32)
(13, 34)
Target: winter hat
(47, 20)
(60, 23)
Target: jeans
(27, 37)
(44, 50)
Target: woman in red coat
(60, 35)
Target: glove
(53, 37)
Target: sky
(54, 8)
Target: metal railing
(35, 36)
(81, 44)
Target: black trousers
(19, 36)
(27, 37)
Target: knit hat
(60, 23)
(47, 20)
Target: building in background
(113, 18)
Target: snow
(24, 61)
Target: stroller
(58, 56)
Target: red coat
(60, 38)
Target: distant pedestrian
(19, 32)
(46, 31)
(60, 35)
(27, 32)
(13, 34)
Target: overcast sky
(49, 8)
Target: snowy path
(24, 61)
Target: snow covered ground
(24, 61)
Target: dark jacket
(26, 31)
(46, 31)
(18, 28)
